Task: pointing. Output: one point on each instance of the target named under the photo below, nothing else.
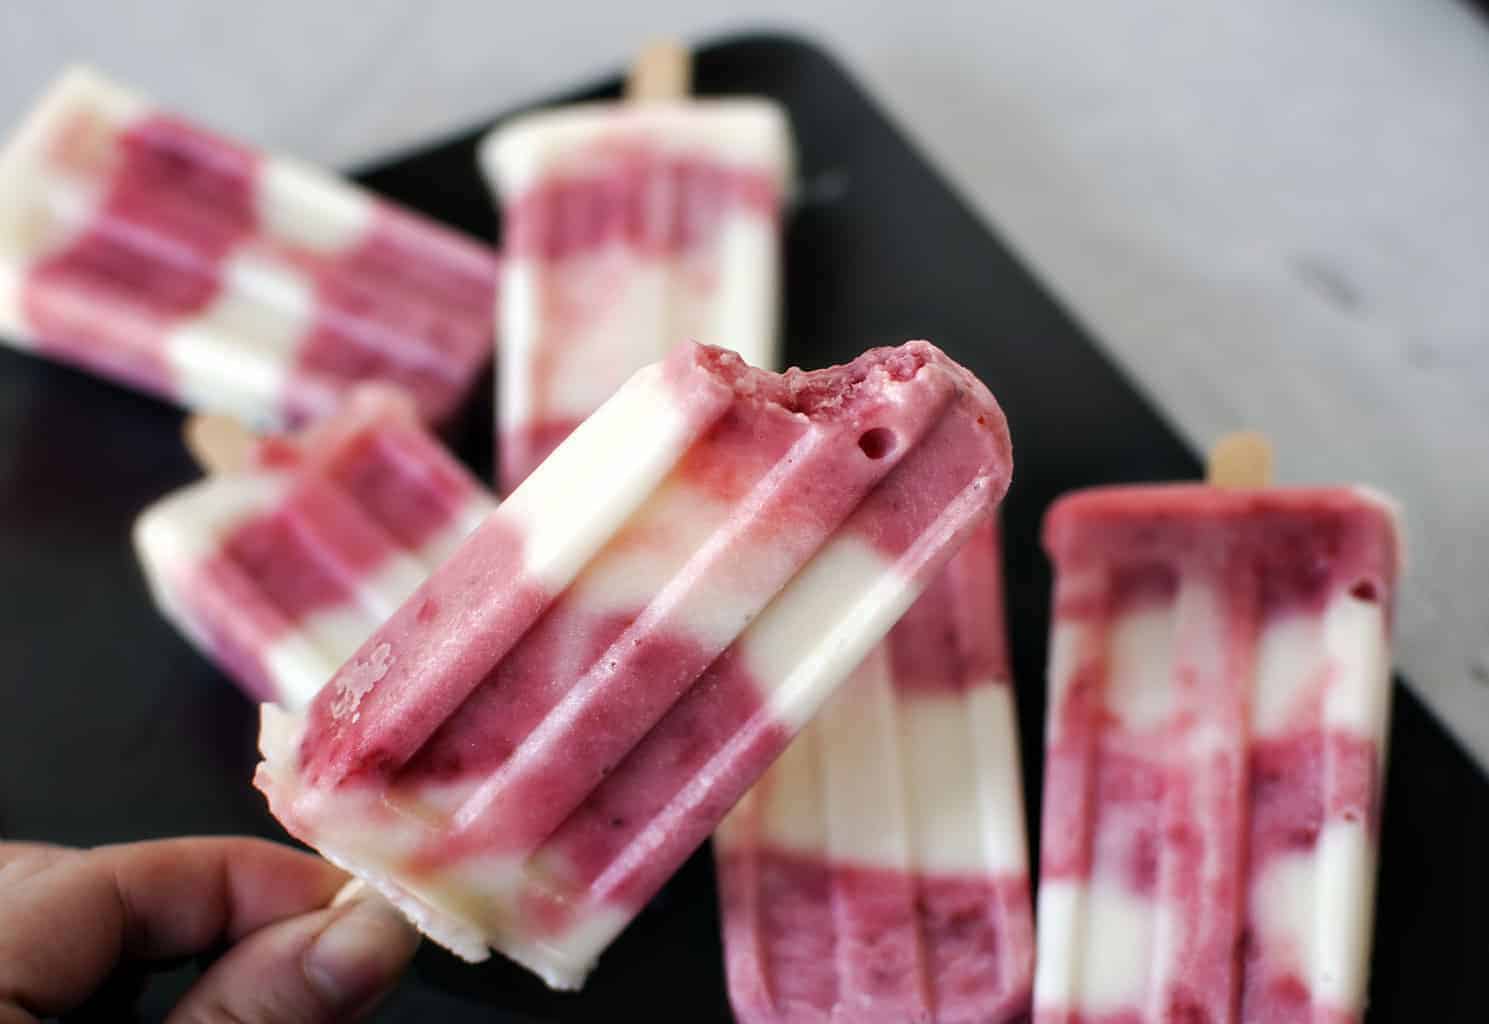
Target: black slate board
(112, 729)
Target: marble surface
(1274, 214)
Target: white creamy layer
(26, 160)
(10, 306)
(623, 451)
(1094, 948)
(369, 854)
(589, 322)
(183, 529)
(46, 218)
(48, 194)
(519, 319)
(917, 782)
(572, 331)
(823, 624)
(303, 206)
(1102, 947)
(746, 132)
(734, 299)
(672, 524)
(236, 356)
(468, 908)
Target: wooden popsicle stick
(1240, 461)
(350, 891)
(220, 444)
(663, 71)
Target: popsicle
(1219, 690)
(278, 566)
(543, 732)
(629, 226)
(878, 871)
(146, 249)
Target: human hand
(69, 918)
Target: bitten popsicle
(878, 872)
(1219, 694)
(146, 249)
(549, 726)
(629, 226)
(279, 566)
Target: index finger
(67, 916)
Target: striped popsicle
(544, 731)
(149, 250)
(280, 570)
(1219, 689)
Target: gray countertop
(1274, 214)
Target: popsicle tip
(662, 71)
(1241, 460)
(220, 444)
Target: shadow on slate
(113, 729)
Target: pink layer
(409, 302)
(310, 552)
(376, 450)
(649, 814)
(612, 685)
(810, 940)
(237, 623)
(1294, 546)
(941, 409)
(407, 683)
(953, 637)
(654, 202)
(1294, 786)
(399, 473)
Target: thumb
(330, 965)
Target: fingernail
(360, 952)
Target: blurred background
(1272, 214)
